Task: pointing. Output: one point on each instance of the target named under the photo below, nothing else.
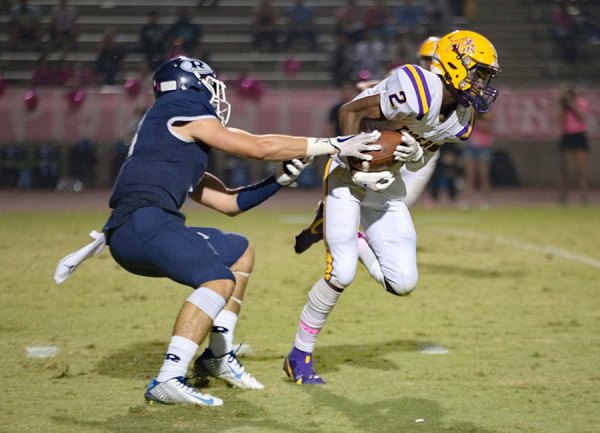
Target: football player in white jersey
(429, 108)
(415, 182)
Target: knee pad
(208, 301)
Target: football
(383, 158)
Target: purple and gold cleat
(311, 234)
(298, 366)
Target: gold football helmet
(467, 62)
(426, 50)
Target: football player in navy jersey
(147, 234)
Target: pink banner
(533, 114)
(519, 114)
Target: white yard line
(542, 249)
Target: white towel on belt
(68, 264)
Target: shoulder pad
(414, 84)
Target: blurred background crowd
(256, 45)
(55, 42)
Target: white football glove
(289, 171)
(375, 181)
(353, 145)
(409, 151)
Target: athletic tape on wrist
(209, 301)
(319, 146)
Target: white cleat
(227, 367)
(177, 391)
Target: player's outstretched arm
(273, 147)
(213, 193)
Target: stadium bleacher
(227, 31)
(520, 31)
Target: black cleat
(311, 234)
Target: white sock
(221, 334)
(178, 358)
(368, 259)
(321, 300)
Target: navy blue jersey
(161, 167)
(146, 230)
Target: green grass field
(513, 294)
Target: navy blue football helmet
(183, 73)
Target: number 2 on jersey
(397, 98)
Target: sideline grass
(505, 291)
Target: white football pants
(416, 181)
(386, 222)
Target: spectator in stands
(43, 74)
(400, 50)
(13, 163)
(377, 19)
(408, 16)
(444, 183)
(184, 32)
(64, 73)
(477, 162)
(348, 21)
(142, 74)
(370, 57)
(574, 146)
(265, 26)
(574, 29)
(201, 51)
(300, 23)
(462, 10)
(63, 26)
(117, 157)
(151, 41)
(175, 49)
(439, 17)
(340, 60)
(563, 31)
(83, 75)
(52, 73)
(24, 26)
(120, 149)
(110, 58)
(83, 161)
(46, 166)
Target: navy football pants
(155, 243)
